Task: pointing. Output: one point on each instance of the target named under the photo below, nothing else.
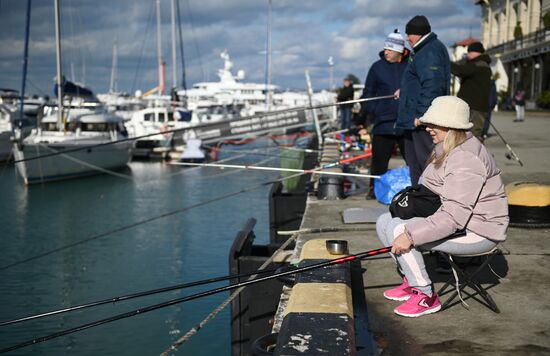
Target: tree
(353, 79)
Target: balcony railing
(530, 40)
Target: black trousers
(382, 148)
(418, 147)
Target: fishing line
(76, 149)
(348, 258)
(142, 222)
(262, 168)
(220, 307)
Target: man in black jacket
(346, 94)
(475, 84)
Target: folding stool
(463, 279)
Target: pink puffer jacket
(472, 195)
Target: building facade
(515, 36)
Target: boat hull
(71, 165)
(5, 145)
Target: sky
(305, 34)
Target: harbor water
(82, 240)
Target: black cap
(476, 47)
(418, 25)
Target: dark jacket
(427, 76)
(346, 93)
(475, 84)
(384, 78)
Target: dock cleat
(418, 304)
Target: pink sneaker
(400, 293)
(418, 304)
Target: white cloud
(305, 34)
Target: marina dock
(522, 326)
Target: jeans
(418, 147)
(345, 114)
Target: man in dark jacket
(384, 78)
(475, 84)
(346, 94)
(427, 76)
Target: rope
(261, 115)
(217, 310)
(457, 285)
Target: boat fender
(528, 204)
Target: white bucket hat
(448, 111)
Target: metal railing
(530, 40)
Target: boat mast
(174, 65)
(113, 87)
(159, 52)
(25, 59)
(183, 81)
(58, 59)
(268, 60)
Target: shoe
(418, 304)
(400, 293)
(370, 195)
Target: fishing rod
(511, 154)
(335, 132)
(135, 295)
(250, 152)
(348, 258)
(298, 108)
(263, 168)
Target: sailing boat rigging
(79, 120)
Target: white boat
(232, 95)
(87, 124)
(121, 104)
(155, 121)
(5, 133)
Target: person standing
(427, 76)
(519, 103)
(384, 78)
(346, 94)
(475, 85)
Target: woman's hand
(401, 245)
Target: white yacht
(86, 124)
(231, 97)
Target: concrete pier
(522, 327)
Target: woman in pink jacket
(464, 174)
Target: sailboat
(79, 125)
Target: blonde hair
(453, 139)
